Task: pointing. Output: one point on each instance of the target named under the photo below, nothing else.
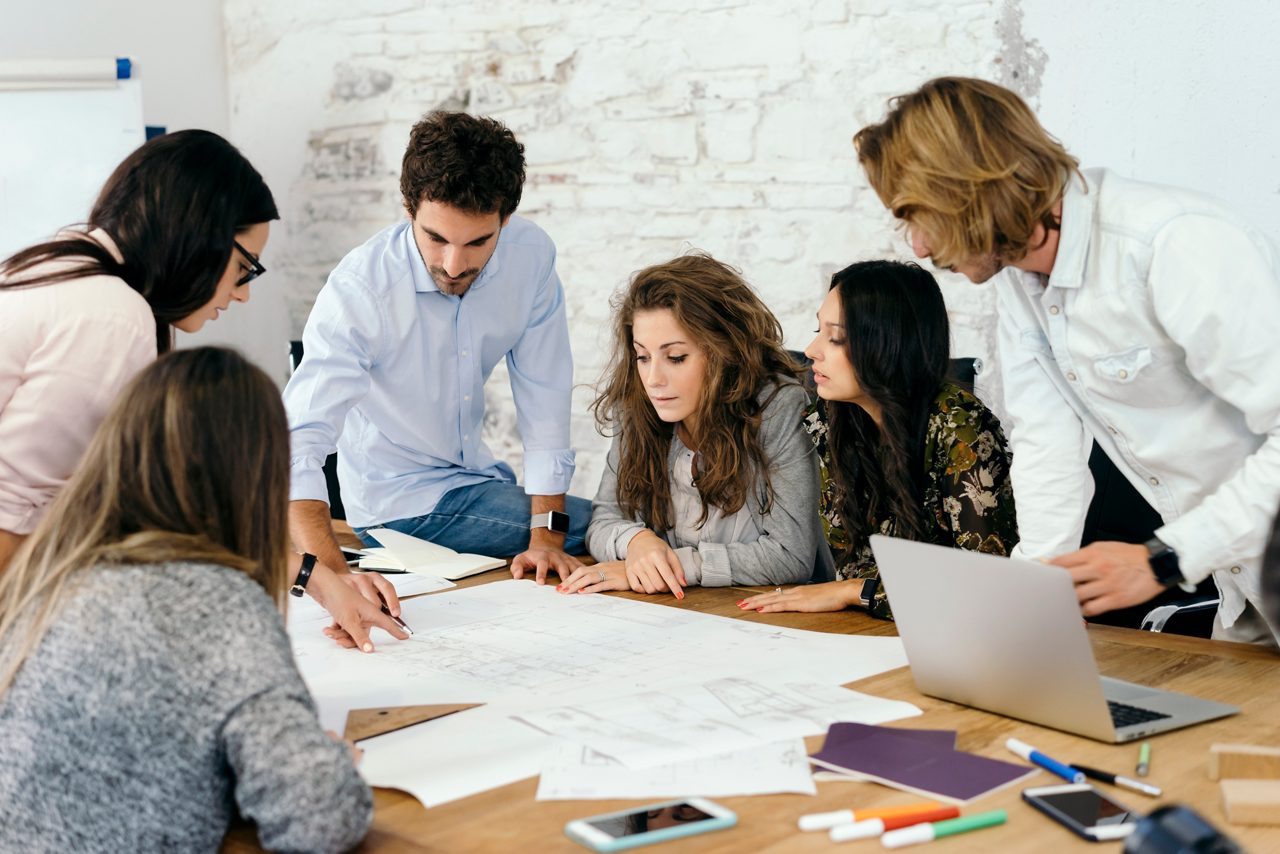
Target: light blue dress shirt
(393, 376)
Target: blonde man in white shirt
(1141, 317)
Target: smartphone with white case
(626, 829)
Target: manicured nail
(368, 647)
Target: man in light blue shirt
(398, 348)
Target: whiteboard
(57, 148)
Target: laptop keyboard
(1123, 715)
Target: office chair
(336, 510)
(963, 371)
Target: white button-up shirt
(1158, 336)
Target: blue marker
(1035, 757)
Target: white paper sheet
(721, 715)
(576, 772)
(520, 647)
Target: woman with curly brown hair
(904, 452)
(710, 479)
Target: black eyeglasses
(255, 266)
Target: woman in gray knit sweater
(147, 688)
(711, 479)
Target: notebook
(924, 765)
(402, 552)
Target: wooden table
(509, 819)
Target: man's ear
(409, 210)
(506, 219)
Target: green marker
(916, 834)
(1144, 759)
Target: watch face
(558, 522)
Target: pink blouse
(66, 351)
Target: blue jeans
(490, 518)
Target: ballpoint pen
(399, 622)
(1117, 780)
(1144, 759)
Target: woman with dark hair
(904, 452)
(147, 687)
(172, 239)
(710, 479)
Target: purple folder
(925, 765)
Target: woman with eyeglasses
(173, 239)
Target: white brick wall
(649, 127)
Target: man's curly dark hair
(468, 162)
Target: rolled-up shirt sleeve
(541, 369)
(340, 345)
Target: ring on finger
(777, 590)
(601, 573)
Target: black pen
(399, 622)
(1117, 780)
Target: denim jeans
(490, 518)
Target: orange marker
(876, 826)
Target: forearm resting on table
(311, 529)
(9, 545)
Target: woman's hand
(611, 575)
(353, 602)
(829, 596)
(653, 566)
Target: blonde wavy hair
(966, 163)
(191, 464)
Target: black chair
(336, 510)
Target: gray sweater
(161, 700)
(783, 546)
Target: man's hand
(653, 566)
(1110, 576)
(611, 575)
(828, 596)
(542, 559)
(352, 601)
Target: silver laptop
(1007, 636)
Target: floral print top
(968, 495)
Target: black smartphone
(1084, 811)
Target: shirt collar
(422, 281)
(1078, 205)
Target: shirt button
(464, 352)
(468, 436)
(466, 397)
(1235, 570)
(1071, 376)
(1124, 375)
(1155, 481)
(1053, 309)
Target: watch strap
(1164, 562)
(870, 587)
(299, 586)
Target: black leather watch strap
(304, 575)
(1164, 562)
(870, 587)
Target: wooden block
(1244, 762)
(1251, 801)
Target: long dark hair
(898, 341)
(191, 464)
(743, 344)
(173, 208)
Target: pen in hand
(399, 622)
